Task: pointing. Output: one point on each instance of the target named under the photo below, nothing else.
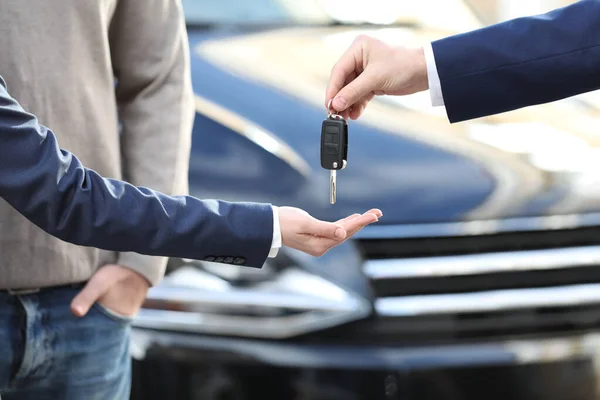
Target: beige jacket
(60, 59)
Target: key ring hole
(330, 113)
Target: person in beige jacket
(112, 78)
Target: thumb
(327, 230)
(361, 86)
(95, 288)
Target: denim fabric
(46, 353)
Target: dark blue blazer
(521, 62)
(52, 189)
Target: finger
(378, 213)
(95, 288)
(351, 233)
(359, 106)
(342, 70)
(352, 224)
(360, 222)
(362, 86)
(348, 218)
(366, 219)
(375, 211)
(347, 112)
(355, 230)
(358, 109)
(326, 230)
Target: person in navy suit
(502, 67)
(51, 188)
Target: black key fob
(334, 143)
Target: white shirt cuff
(276, 244)
(435, 87)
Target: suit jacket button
(219, 259)
(229, 260)
(209, 258)
(239, 261)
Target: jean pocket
(115, 316)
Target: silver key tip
(332, 183)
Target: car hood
(404, 156)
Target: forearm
(521, 62)
(55, 191)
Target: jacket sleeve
(521, 62)
(51, 188)
(150, 57)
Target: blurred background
(481, 280)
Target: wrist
(409, 73)
(421, 81)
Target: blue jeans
(47, 353)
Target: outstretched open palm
(299, 230)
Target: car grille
(478, 244)
(483, 285)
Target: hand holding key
(334, 148)
(371, 67)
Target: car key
(334, 148)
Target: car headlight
(238, 301)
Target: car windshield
(449, 14)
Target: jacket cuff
(276, 243)
(433, 79)
(151, 268)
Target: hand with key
(369, 68)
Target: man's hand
(302, 232)
(117, 288)
(370, 67)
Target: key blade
(332, 186)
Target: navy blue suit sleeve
(52, 189)
(521, 62)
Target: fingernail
(340, 233)
(340, 103)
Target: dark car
(481, 281)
